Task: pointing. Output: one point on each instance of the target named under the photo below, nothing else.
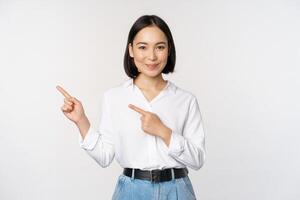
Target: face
(150, 51)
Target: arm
(83, 126)
(99, 143)
(189, 148)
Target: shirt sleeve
(99, 143)
(189, 148)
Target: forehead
(150, 34)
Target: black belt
(156, 175)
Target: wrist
(83, 126)
(166, 135)
(82, 120)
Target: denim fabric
(128, 188)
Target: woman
(152, 127)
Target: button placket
(152, 139)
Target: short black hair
(142, 22)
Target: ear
(130, 50)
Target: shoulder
(184, 94)
(116, 90)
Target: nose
(152, 55)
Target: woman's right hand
(72, 107)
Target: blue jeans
(128, 188)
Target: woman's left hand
(151, 123)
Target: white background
(240, 58)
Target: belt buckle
(155, 175)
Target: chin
(153, 73)
(150, 74)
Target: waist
(156, 175)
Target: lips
(152, 66)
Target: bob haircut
(142, 22)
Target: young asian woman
(152, 127)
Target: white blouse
(120, 134)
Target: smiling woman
(149, 51)
(152, 127)
(150, 44)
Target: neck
(149, 83)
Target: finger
(64, 109)
(67, 108)
(68, 102)
(74, 100)
(63, 92)
(137, 109)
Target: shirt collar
(129, 84)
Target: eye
(142, 47)
(161, 47)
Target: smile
(151, 67)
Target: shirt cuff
(90, 139)
(176, 145)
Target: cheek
(139, 57)
(139, 61)
(163, 56)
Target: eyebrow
(147, 43)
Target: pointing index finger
(137, 109)
(63, 92)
